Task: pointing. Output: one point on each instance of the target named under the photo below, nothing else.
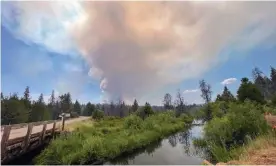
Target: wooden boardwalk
(21, 138)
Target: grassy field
(108, 138)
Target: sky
(102, 51)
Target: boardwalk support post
(63, 121)
(43, 133)
(54, 129)
(4, 140)
(28, 137)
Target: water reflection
(176, 149)
(128, 158)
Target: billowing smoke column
(135, 48)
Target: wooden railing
(20, 138)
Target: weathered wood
(54, 128)
(4, 140)
(34, 137)
(27, 137)
(43, 133)
(63, 121)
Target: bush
(133, 122)
(97, 114)
(242, 121)
(186, 118)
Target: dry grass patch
(80, 124)
(261, 151)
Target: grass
(76, 125)
(108, 138)
(262, 150)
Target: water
(177, 149)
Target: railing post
(28, 137)
(43, 132)
(54, 129)
(4, 140)
(63, 122)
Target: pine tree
(148, 110)
(89, 109)
(14, 112)
(112, 108)
(77, 107)
(227, 95)
(248, 90)
(66, 103)
(40, 111)
(273, 80)
(135, 106)
(52, 105)
(27, 100)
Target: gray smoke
(135, 48)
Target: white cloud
(228, 81)
(191, 91)
(135, 48)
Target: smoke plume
(135, 48)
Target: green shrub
(186, 118)
(242, 122)
(133, 122)
(97, 114)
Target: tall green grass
(109, 138)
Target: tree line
(261, 90)
(15, 109)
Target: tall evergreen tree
(248, 90)
(89, 109)
(273, 80)
(39, 111)
(52, 106)
(27, 100)
(167, 102)
(66, 103)
(148, 110)
(227, 95)
(135, 106)
(112, 108)
(14, 111)
(122, 108)
(77, 107)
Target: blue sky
(58, 63)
